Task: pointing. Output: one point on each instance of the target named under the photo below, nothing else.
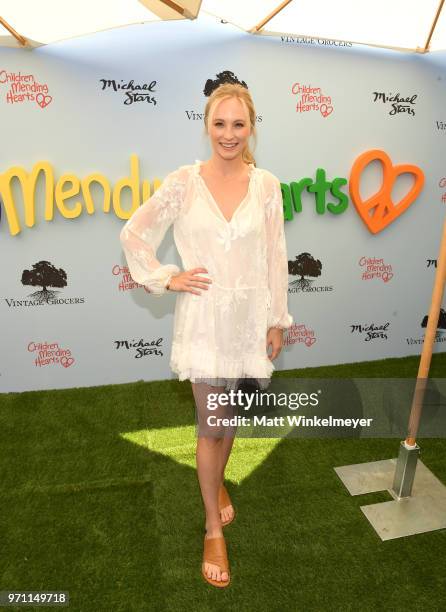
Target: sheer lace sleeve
(145, 229)
(278, 315)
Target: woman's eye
(237, 124)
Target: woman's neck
(226, 168)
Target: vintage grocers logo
(323, 42)
(49, 278)
(441, 329)
(307, 269)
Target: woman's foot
(211, 570)
(225, 505)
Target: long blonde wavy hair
(234, 90)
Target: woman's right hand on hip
(188, 279)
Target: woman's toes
(212, 571)
(215, 573)
(227, 513)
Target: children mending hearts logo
(310, 98)
(24, 88)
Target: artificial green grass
(100, 498)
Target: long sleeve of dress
(145, 229)
(278, 315)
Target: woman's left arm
(278, 315)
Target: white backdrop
(84, 333)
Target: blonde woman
(231, 306)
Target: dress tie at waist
(236, 288)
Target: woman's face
(229, 125)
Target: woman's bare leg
(227, 512)
(210, 457)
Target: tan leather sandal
(215, 552)
(223, 501)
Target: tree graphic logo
(441, 320)
(44, 274)
(302, 266)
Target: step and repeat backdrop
(91, 126)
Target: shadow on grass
(120, 526)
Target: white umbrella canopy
(407, 25)
(396, 24)
(34, 23)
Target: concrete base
(424, 510)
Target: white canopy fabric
(407, 25)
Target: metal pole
(21, 39)
(409, 449)
(431, 32)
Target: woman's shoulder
(266, 173)
(268, 178)
(187, 167)
(181, 173)
(174, 185)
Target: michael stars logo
(132, 92)
(372, 331)
(398, 103)
(140, 348)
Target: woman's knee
(209, 440)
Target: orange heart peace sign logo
(379, 211)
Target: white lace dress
(220, 335)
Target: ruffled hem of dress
(217, 370)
